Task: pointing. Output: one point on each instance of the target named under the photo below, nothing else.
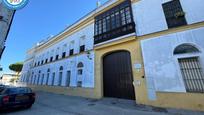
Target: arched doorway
(117, 75)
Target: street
(54, 104)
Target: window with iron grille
(71, 52)
(63, 54)
(192, 74)
(114, 23)
(82, 48)
(175, 16)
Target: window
(82, 48)
(38, 79)
(38, 63)
(60, 76)
(42, 79)
(68, 78)
(175, 16)
(51, 59)
(35, 65)
(42, 62)
(53, 78)
(80, 65)
(80, 71)
(71, 52)
(114, 23)
(190, 67)
(79, 84)
(46, 61)
(192, 74)
(48, 76)
(185, 48)
(57, 57)
(35, 79)
(63, 54)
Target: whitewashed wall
(70, 64)
(149, 16)
(161, 67)
(4, 23)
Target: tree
(17, 67)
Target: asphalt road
(54, 104)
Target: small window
(82, 48)
(68, 78)
(80, 65)
(175, 16)
(61, 68)
(79, 84)
(46, 61)
(42, 62)
(63, 54)
(80, 72)
(53, 78)
(51, 59)
(57, 57)
(71, 52)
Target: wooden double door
(117, 75)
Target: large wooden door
(117, 75)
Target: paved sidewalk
(54, 104)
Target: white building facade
(68, 63)
(6, 17)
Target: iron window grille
(175, 16)
(114, 23)
(192, 74)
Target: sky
(38, 20)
